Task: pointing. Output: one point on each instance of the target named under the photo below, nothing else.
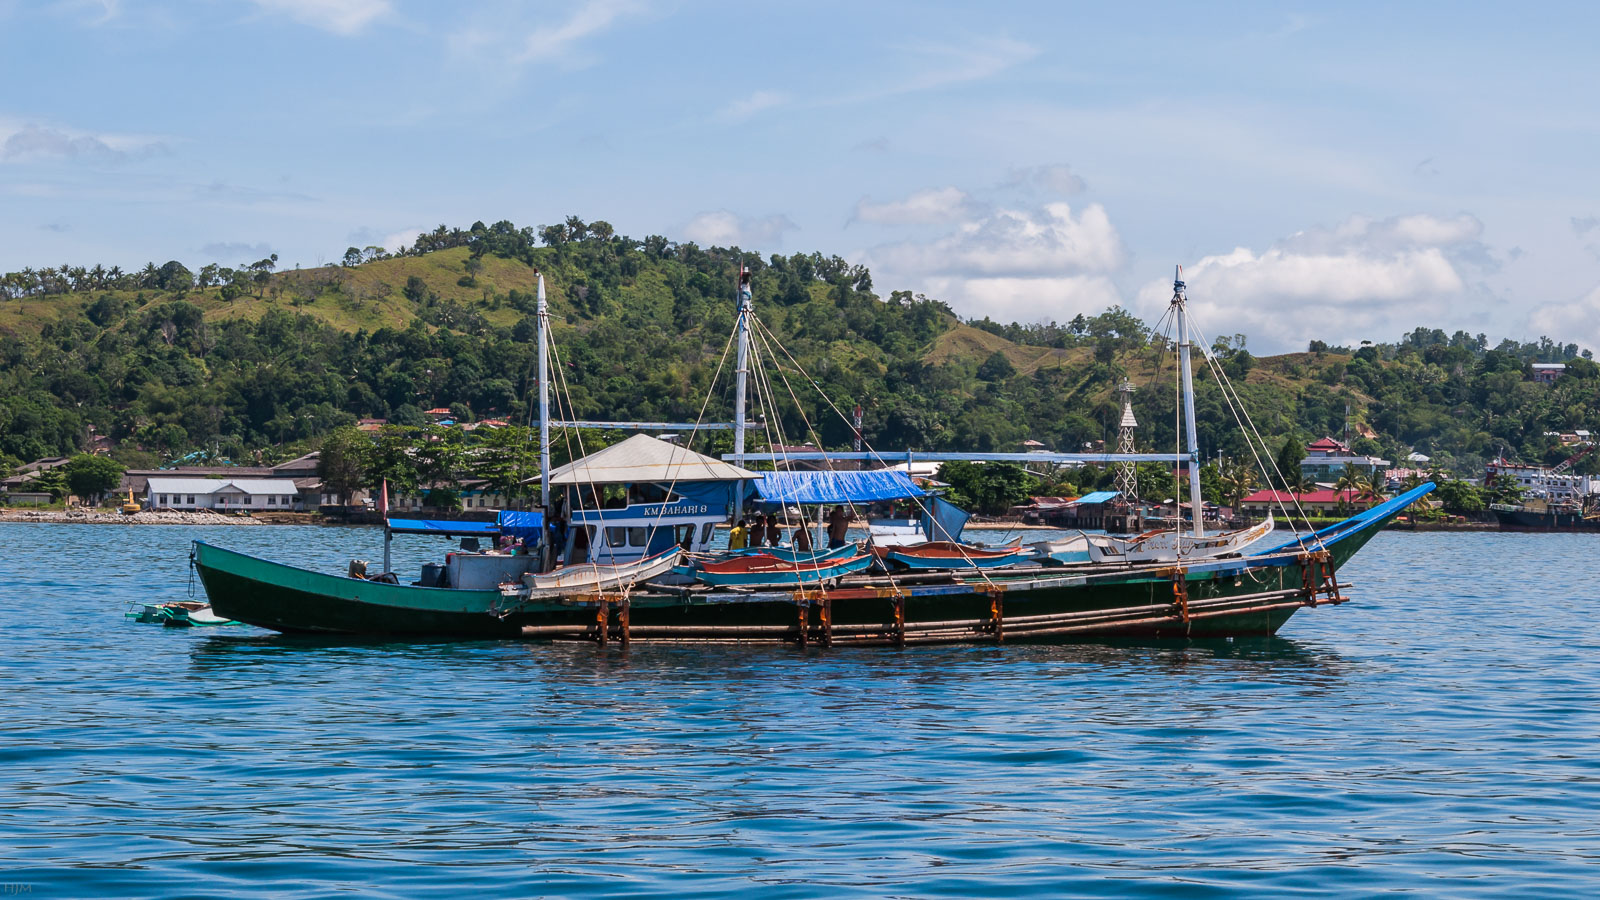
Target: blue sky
(1339, 172)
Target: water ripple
(1435, 737)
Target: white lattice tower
(1127, 472)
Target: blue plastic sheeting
(527, 526)
(1097, 497)
(715, 494)
(944, 520)
(443, 527)
(836, 487)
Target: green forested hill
(248, 359)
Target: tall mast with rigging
(543, 315)
(1180, 308)
(742, 367)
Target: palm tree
(1349, 483)
(1237, 481)
(1355, 485)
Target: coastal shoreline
(102, 517)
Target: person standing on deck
(774, 533)
(758, 532)
(738, 536)
(802, 538)
(838, 526)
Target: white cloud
(400, 240)
(1056, 179)
(943, 65)
(1016, 264)
(337, 16)
(20, 143)
(746, 107)
(934, 206)
(1015, 243)
(235, 252)
(1006, 299)
(1365, 279)
(558, 43)
(1575, 322)
(722, 228)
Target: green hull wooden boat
(1253, 595)
(478, 595)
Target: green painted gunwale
(286, 598)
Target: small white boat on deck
(591, 578)
(1174, 546)
(1152, 546)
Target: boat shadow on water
(1265, 658)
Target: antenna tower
(1127, 474)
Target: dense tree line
(157, 360)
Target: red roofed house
(1323, 502)
(1327, 459)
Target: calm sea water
(1438, 736)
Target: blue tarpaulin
(1097, 497)
(527, 526)
(943, 520)
(836, 487)
(443, 527)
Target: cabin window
(191, 499)
(705, 532)
(272, 500)
(616, 537)
(163, 499)
(638, 537)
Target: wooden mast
(1180, 306)
(741, 373)
(543, 315)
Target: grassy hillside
(261, 361)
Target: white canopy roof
(643, 458)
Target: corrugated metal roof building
(222, 494)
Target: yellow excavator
(131, 506)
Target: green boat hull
(1255, 595)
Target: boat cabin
(641, 497)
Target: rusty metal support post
(825, 613)
(997, 616)
(899, 620)
(623, 610)
(1180, 592)
(602, 621)
(805, 618)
